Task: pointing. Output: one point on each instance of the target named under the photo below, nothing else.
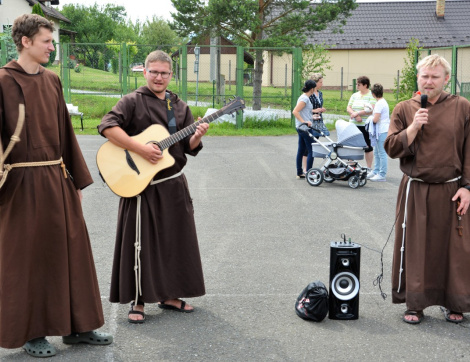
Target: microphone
(424, 102)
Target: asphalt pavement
(264, 235)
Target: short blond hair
(432, 61)
(316, 76)
(158, 56)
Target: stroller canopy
(349, 134)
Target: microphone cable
(378, 281)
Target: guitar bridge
(131, 162)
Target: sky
(143, 9)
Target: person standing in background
(317, 102)
(358, 111)
(381, 121)
(303, 116)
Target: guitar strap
(170, 114)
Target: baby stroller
(340, 157)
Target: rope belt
(8, 167)
(405, 214)
(138, 240)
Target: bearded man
(431, 261)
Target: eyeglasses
(155, 74)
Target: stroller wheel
(362, 181)
(314, 176)
(353, 182)
(327, 177)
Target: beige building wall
(277, 69)
(11, 9)
(463, 65)
(381, 66)
(228, 67)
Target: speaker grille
(345, 286)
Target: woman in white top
(381, 118)
(303, 115)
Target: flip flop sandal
(447, 314)
(136, 312)
(162, 305)
(91, 337)
(419, 314)
(39, 347)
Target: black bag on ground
(312, 303)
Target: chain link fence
(459, 59)
(95, 76)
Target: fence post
(184, 73)
(3, 58)
(341, 84)
(453, 78)
(66, 72)
(415, 70)
(398, 84)
(125, 69)
(296, 77)
(354, 85)
(239, 81)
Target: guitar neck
(185, 132)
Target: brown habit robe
(48, 284)
(436, 259)
(171, 263)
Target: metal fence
(206, 76)
(459, 59)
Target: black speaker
(345, 262)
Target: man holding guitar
(157, 256)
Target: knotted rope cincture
(402, 249)
(13, 140)
(138, 239)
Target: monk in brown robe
(47, 274)
(170, 265)
(431, 262)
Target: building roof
(392, 24)
(49, 11)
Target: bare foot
(137, 317)
(411, 318)
(177, 303)
(456, 317)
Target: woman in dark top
(317, 101)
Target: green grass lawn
(94, 107)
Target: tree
(94, 25)
(9, 44)
(408, 73)
(316, 59)
(37, 10)
(158, 32)
(260, 23)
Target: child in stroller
(340, 157)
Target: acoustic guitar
(128, 174)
